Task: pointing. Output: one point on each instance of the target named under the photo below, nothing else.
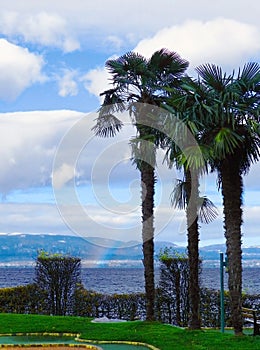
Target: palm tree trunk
(232, 189)
(192, 189)
(148, 184)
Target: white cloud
(62, 175)
(60, 23)
(67, 83)
(30, 141)
(113, 43)
(63, 23)
(251, 180)
(31, 218)
(19, 69)
(47, 29)
(45, 218)
(96, 81)
(222, 41)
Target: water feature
(63, 341)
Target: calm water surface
(128, 280)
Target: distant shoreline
(135, 264)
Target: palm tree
(138, 82)
(193, 159)
(205, 212)
(232, 132)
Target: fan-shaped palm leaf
(107, 126)
(214, 77)
(207, 210)
(178, 196)
(168, 63)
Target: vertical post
(222, 308)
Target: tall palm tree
(138, 82)
(192, 158)
(205, 212)
(232, 132)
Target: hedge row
(122, 306)
(29, 299)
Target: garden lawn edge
(76, 335)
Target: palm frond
(248, 85)
(225, 142)
(207, 210)
(125, 66)
(178, 196)
(143, 150)
(113, 102)
(250, 71)
(214, 76)
(107, 125)
(194, 157)
(168, 62)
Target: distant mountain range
(22, 249)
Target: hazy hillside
(23, 249)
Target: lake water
(126, 280)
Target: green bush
(30, 299)
(27, 299)
(58, 276)
(123, 306)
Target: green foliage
(57, 276)
(173, 291)
(168, 253)
(30, 300)
(122, 306)
(207, 211)
(226, 140)
(23, 299)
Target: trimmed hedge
(29, 299)
(122, 306)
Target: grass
(164, 337)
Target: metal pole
(222, 310)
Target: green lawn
(164, 337)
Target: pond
(60, 342)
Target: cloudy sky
(52, 56)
